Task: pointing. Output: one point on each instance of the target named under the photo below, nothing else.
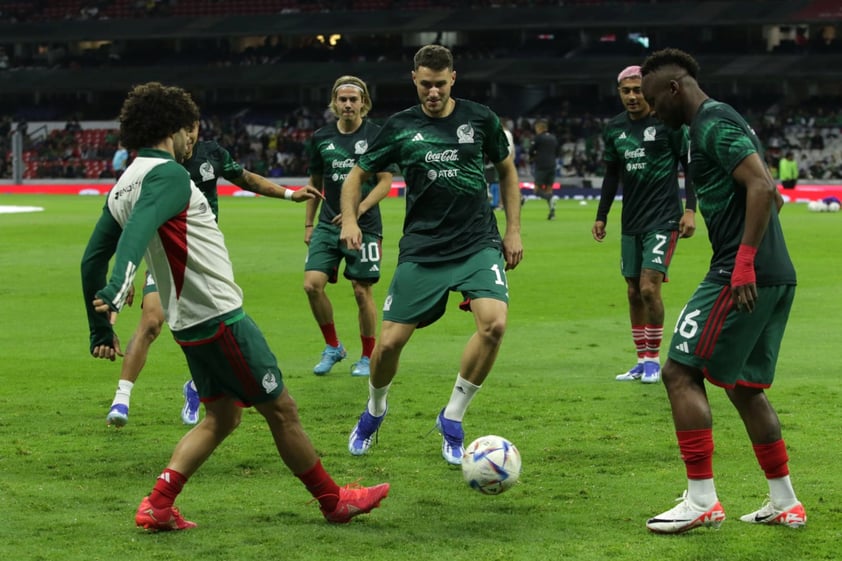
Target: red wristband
(744, 266)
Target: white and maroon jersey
(156, 211)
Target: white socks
(701, 493)
(781, 493)
(460, 398)
(124, 393)
(377, 400)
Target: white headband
(347, 85)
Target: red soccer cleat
(355, 500)
(160, 519)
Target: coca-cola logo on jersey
(636, 153)
(443, 156)
(343, 164)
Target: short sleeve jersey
(647, 153)
(719, 140)
(332, 154)
(447, 212)
(209, 162)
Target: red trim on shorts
(238, 362)
(742, 383)
(713, 325)
(671, 248)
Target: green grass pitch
(599, 456)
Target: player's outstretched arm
(256, 183)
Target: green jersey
(209, 162)
(332, 154)
(447, 213)
(719, 140)
(647, 154)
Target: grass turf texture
(599, 456)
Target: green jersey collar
(155, 153)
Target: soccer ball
(833, 207)
(491, 464)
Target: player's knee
(362, 293)
(650, 293)
(493, 331)
(313, 288)
(150, 327)
(286, 409)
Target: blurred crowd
(812, 132)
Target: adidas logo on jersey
(622, 136)
(374, 269)
(683, 347)
(417, 137)
(658, 261)
(330, 147)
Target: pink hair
(629, 72)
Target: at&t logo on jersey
(636, 154)
(344, 166)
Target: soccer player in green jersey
(206, 161)
(643, 154)
(156, 212)
(333, 150)
(730, 331)
(450, 241)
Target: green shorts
(730, 347)
(419, 291)
(652, 250)
(326, 252)
(235, 362)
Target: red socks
(639, 337)
(368, 345)
(321, 486)
(167, 488)
(697, 452)
(329, 333)
(772, 459)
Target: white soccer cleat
(686, 516)
(793, 517)
(633, 374)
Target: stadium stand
(269, 62)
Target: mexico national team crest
(360, 147)
(206, 171)
(649, 134)
(269, 382)
(465, 134)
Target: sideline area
(802, 193)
